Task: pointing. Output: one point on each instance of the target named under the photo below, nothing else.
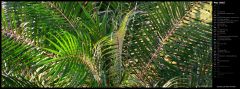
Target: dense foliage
(106, 44)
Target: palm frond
(19, 81)
(158, 30)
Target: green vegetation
(106, 44)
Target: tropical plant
(106, 44)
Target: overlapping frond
(106, 44)
(171, 35)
